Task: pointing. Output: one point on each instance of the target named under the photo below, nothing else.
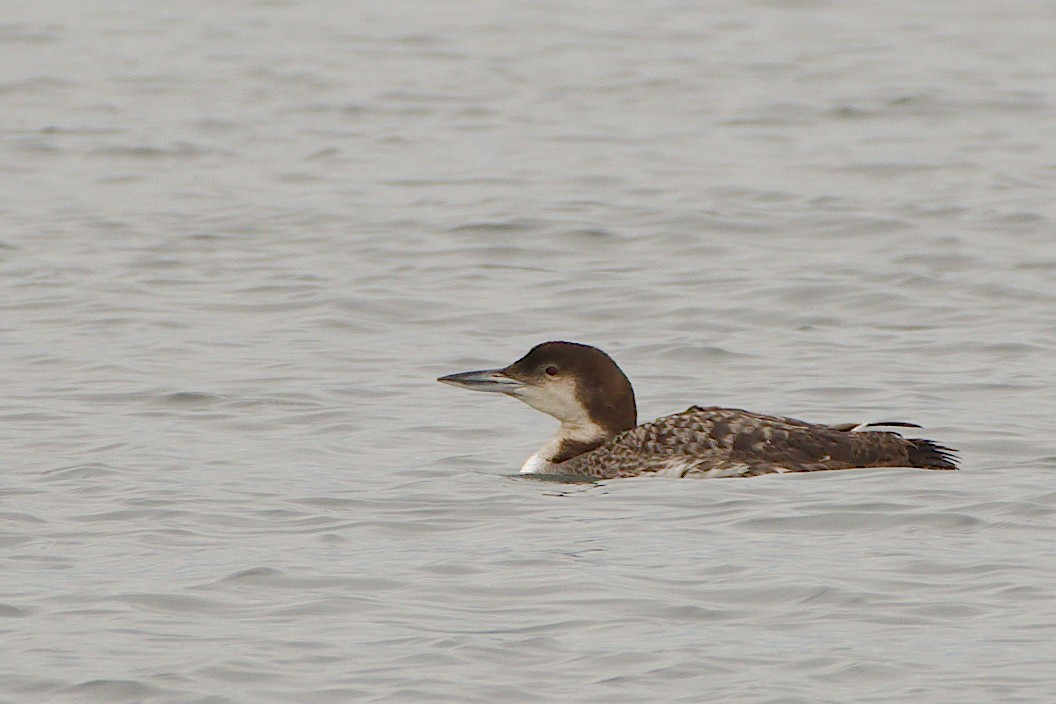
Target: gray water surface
(238, 242)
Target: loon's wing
(723, 442)
(855, 427)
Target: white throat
(542, 462)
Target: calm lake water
(239, 241)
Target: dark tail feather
(931, 455)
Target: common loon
(599, 437)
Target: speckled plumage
(730, 442)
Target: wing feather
(733, 442)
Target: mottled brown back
(734, 442)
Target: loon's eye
(551, 370)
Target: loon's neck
(571, 440)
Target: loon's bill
(599, 437)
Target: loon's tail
(931, 455)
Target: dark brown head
(578, 384)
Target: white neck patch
(536, 465)
(542, 461)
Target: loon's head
(578, 384)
